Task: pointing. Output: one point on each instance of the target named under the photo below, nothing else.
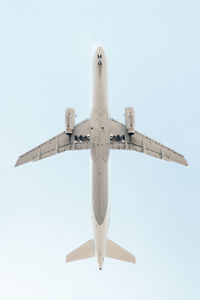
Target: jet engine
(130, 120)
(69, 120)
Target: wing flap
(141, 143)
(44, 150)
(59, 143)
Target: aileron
(59, 143)
(141, 143)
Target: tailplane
(115, 251)
(86, 250)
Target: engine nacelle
(130, 120)
(69, 120)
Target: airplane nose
(99, 50)
(99, 55)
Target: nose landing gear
(99, 56)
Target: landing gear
(99, 56)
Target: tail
(115, 251)
(86, 250)
(112, 250)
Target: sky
(46, 51)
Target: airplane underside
(100, 134)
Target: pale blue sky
(46, 50)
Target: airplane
(100, 133)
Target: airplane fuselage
(100, 148)
(100, 133)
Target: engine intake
(69, 120)
(130, 120)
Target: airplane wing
(120, 140)
(79, 140)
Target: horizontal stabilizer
(84, 251)
(115, 251)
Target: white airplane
(100, 133)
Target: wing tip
(17, 163)
(185, 163)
